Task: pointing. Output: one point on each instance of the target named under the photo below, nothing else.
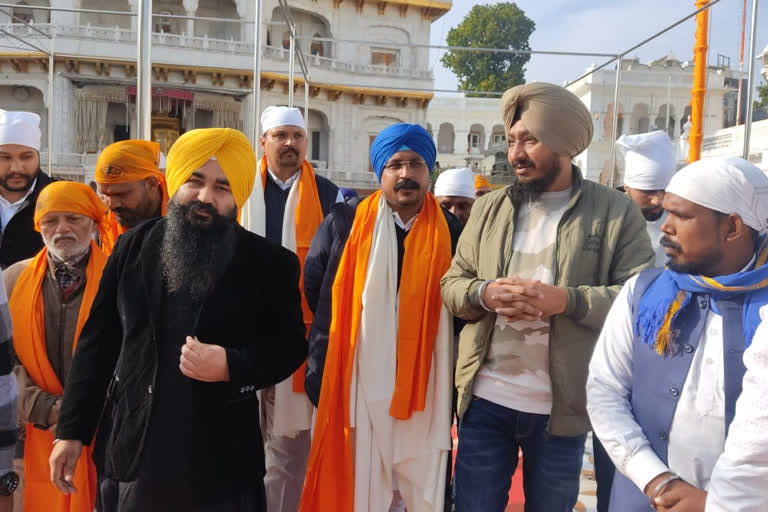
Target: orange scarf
(27, 312)
(309, 215)
(329, 483)
(114, 229)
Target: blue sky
(611, 26)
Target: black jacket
(254, 311)
(19, 240)
(319, 273)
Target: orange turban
(68, 196)
(481, 181)
(127, 161)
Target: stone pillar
(460, 142)
(63, 115)
(64, 18)
(245, 11)
(134, 19)
(190, 8)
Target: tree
(762, 91)
(503, 25)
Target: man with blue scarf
(668, 368)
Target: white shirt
(8, 209)
(740, 478)
(654, 231)
(405, 226)
(697, 435)
(285, 185)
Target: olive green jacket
(601, 242)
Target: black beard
(195, 253)
(530, 191)
(652, 216)
(23, 188)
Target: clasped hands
(518, 299)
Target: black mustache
(666, 242)
(289, 150)
(523, 163)
(407, 185)
(199, 206)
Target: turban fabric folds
(21, 128)
(272, 117)
(68, 196)
(229, 147)
(456, 182)
(128, 161)
(482, 182)
(649, 160)
(400, 137)
(552, 114)
(727, 185)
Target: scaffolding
(296, 55)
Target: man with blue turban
(383, 422)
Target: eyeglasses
(396, 165)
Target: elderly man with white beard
(50, 297)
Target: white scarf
(406, 455)
(292, 412)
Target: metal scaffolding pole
(144, 71)
(257, 77)
(291, 67)
(51, 64)
(615, 127)
(750, 81)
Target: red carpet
(516, 496)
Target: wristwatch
(8, 483)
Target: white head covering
(22, 128)
(456, 182)
(273, 117)
(727, 185)
(649, 160)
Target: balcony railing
(231, 46)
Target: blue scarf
(671, 293)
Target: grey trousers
(286, 461)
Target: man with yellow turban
(288, 203)
(482, 185)
(535, 272)
(382, 434)
(50, 298)
(130, 182)
(194, 315)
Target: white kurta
(390, 454)
(697, 436)
(740, 478)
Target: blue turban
(402, 137)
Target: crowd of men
(240, 336)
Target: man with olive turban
(535, 272)
(188, 324)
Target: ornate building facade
(202, 73)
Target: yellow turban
(553, 114)
(481, 182)
(68, 196)
(232, 150)
(127, 161)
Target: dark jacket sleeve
(316, 262)
(95, 358)
(281, 346)
(330, 240)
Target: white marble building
(470, 130)
(202, 73)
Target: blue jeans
(489, 438)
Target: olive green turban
(552, 114)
